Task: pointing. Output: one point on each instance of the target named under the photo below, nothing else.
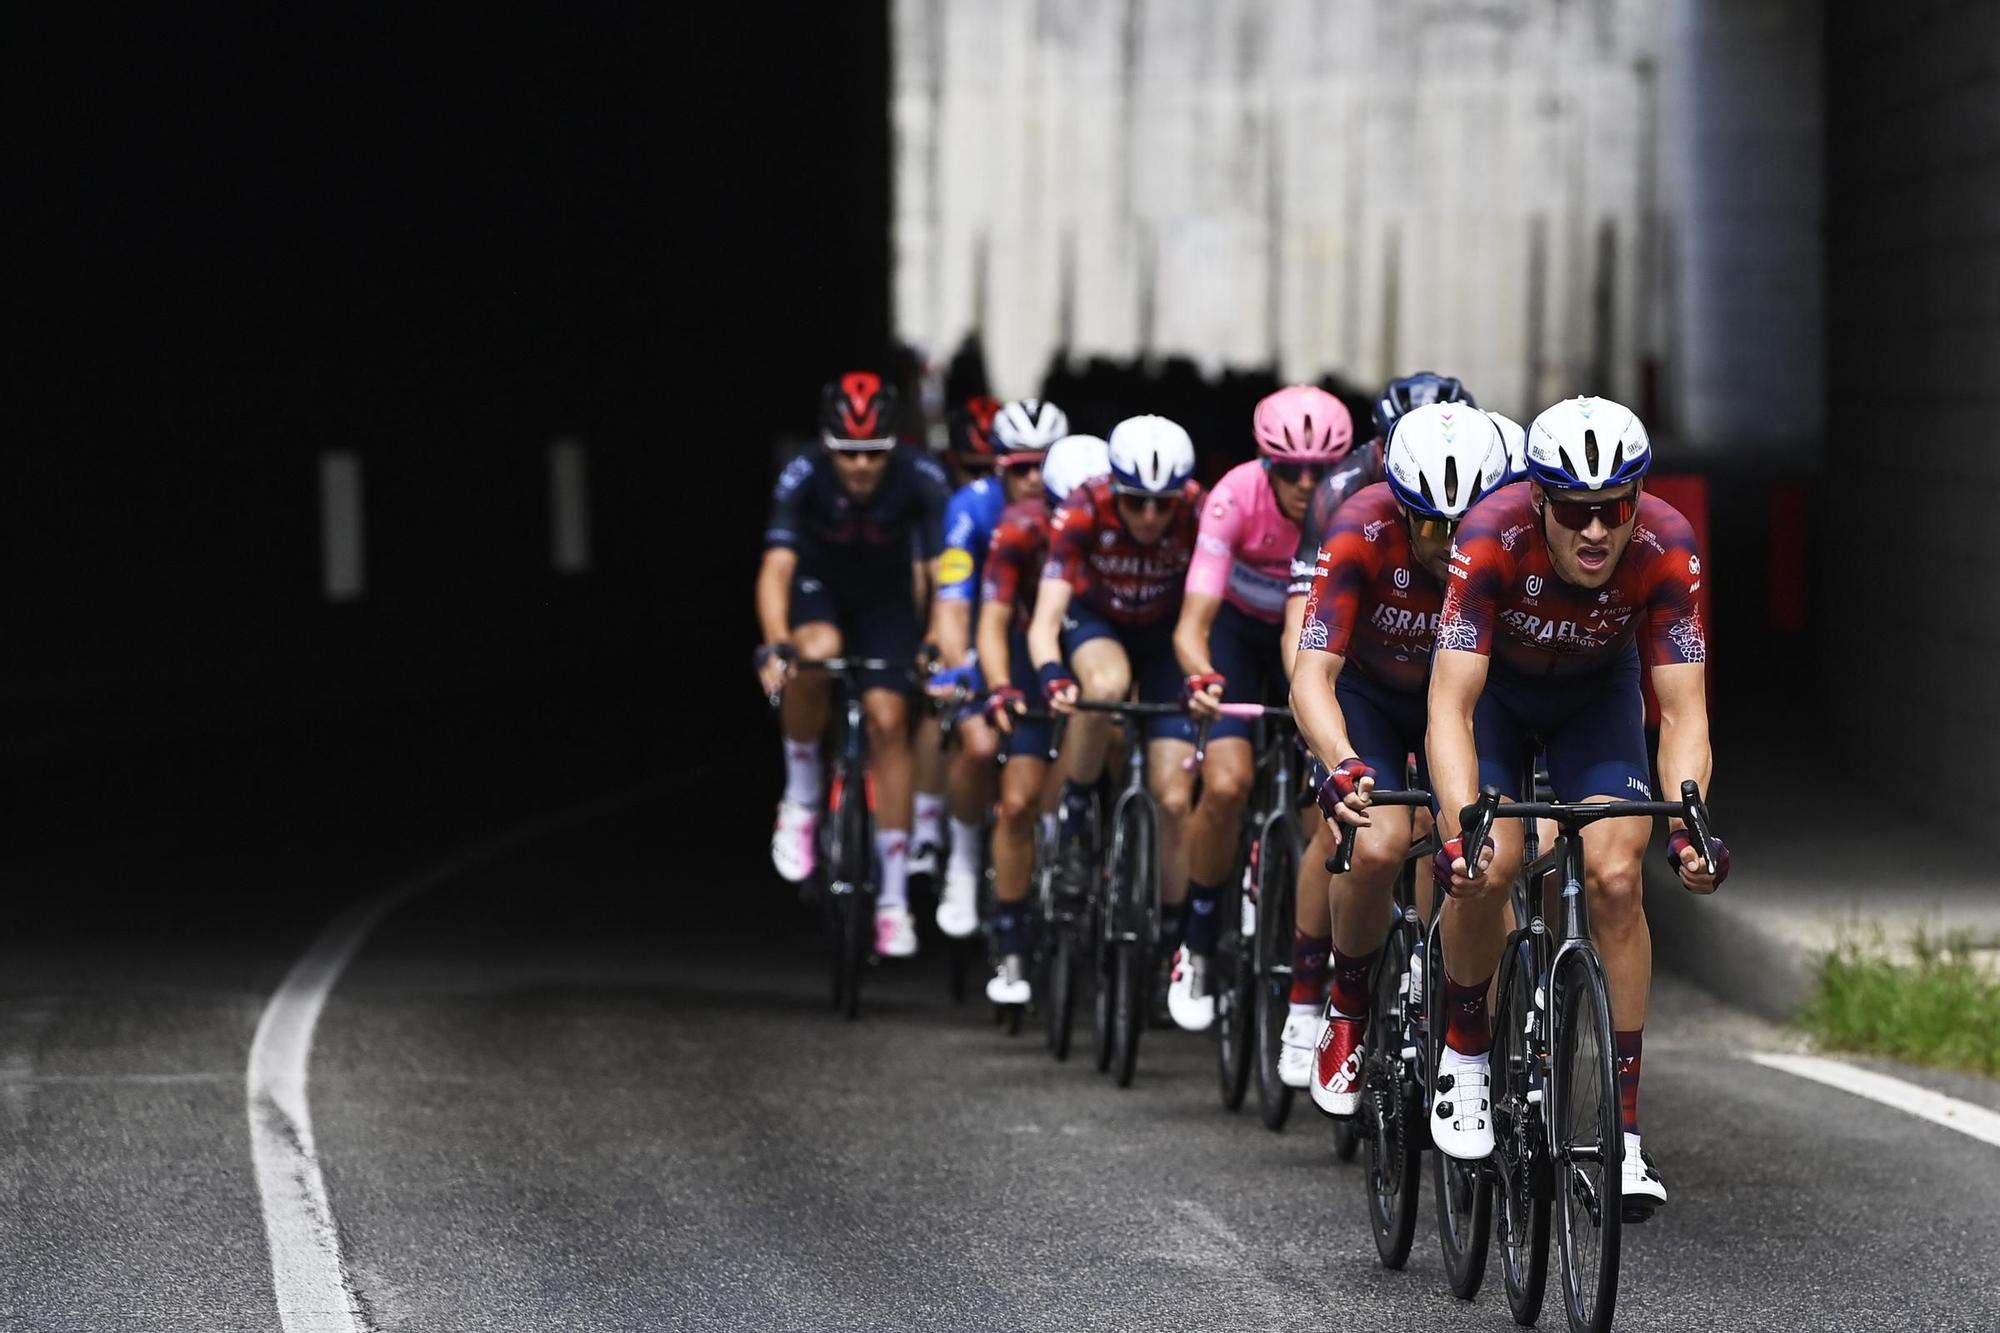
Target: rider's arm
(1288, 638)
(994, 659)
(1191, 631)
(1214, 555)
(1045, 630)
(1684, 753)
(1457, 678)
(951, 629)
(1315, 707)
(774, 593)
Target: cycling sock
(1010, 928)
(1049, 827)
(802, 772)
(1309, 957)
(965, 847)
(1350, 982)
(1628, 1076)
(1076, 797)
(1466, 1028)
(928, 825)
(893, 847)
(1201, 921)
(1173, 920)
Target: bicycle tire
(1464, 1189)
(1521, 1202)
(1236, 997)
(1390, 1123)
(1587, 1141)
(1277, 888)
(1131, 974)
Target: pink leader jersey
(1243, 552)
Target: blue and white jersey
(969, 519)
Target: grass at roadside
(1934, 1004)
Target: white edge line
(1973, 1121)
(314, 1292)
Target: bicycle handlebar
(1342, 859)
(1251, 711)
(1475, 821)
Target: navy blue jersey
(834, 534)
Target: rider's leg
(888, 718)
(1362, 899)
(1104, 674)
(1014, 845)
(929, 768)
(802, 711)
(1312, 917)
(1214, 830)
(973, 781)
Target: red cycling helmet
(972, 428)
(858, 411)
(1303, 424)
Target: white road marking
(569, 507)
(315, 1294)
(1974, 1121)
(342, 547)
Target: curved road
(592, 1084)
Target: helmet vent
(1590, 451)
(1451, 481)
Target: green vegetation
(1939, 1005)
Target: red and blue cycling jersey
(1129, 584)
(1369, 600)
(1506, 601)
(1014, 559)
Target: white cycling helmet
(1028, 425)
(1587, 444)
(1150, 454)
(1517, 446)
(1072, 461)
(1442, 457)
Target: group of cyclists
(1456, 593)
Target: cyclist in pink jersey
(1227, 642)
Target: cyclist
(1020, 436)
(1014, 561)
(968, 457)
(1118, 555)
(1517, 446)
(1555, 583)
(1312, 939)
(1358, 693)
(1227, 641)
(836, 578)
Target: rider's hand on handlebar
(1001, 705)
(1686, 859)
(1343, 797)
(1450, 870)
(1202, 693)
(955, 682)
(1057, 687)
(773, 662)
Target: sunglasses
(1294, 473)
(1439, 530)
(1145, 503)
(1576, 515)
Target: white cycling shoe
(1296, 1046)
(958, 905)
(1010, 982)
(793, 841)
(1462, 1110)
(1188, 998)
(1640, 1183)
(895, 932)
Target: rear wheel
(1391, 1119)
(1521, 1208)
(1277, 887)
(1588, 1145)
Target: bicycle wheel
(1277, 887)
(1391, 1119)
(849, 936)
(1129, 900)
(1588, 1140)
(1464, 1189)
(1236, 1008)
(1521, 1206)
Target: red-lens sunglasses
(1576, 515)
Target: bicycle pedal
(1637, 1211)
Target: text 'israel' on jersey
(969, 517)
(1014, 559)
(832, 531)
(1369, 601)
(1503, 597)
(1107, 569)
(1354, 473)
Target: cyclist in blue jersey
(1022, 434)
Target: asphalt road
(593, 1084)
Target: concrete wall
(1909, 609)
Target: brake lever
(1696, 815)
(1475, 826)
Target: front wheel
(1277, 888)
(1128, 914)
(1391, 1120)
(1464, 1189)
(1521, 1208)
(1588, 1144)
(1236, 1008)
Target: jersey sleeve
(1477, 575)
(961, 534)
(787, 503)
(1674, 630)
(1342, 572)
(1215, 543)
(1000, 582)
(1070, 529)
(933, 494)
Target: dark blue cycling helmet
(1415, 391)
